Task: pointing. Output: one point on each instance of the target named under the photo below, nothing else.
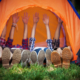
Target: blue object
(0, 0)
(78, 60)
(78, 53)
(37, 50)
(45, 49)
(74, 9)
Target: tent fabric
(74, 9)
(41, 34)
(60, 7)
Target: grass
(36, 72)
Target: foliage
(37, 72)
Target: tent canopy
(61, 7)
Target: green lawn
(36, 72)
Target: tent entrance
(41, 35)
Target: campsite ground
(36, 72)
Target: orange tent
(60, 7)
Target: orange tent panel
(61, 7)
